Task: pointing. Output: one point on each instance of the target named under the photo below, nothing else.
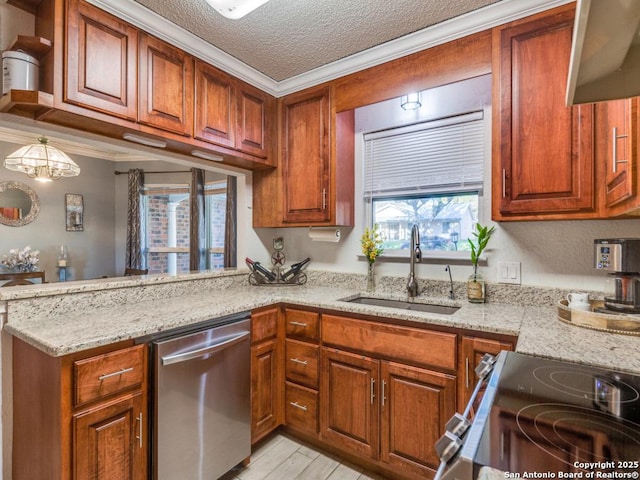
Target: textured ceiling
(285, 38)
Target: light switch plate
(509, 272)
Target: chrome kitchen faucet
(415, 255)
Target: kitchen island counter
(60, 322)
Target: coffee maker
(620, 257)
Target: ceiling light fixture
(235, 9)
(411, 101)
(42, 162)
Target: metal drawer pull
(139, 436)
(297, 405)
(384, 397)
(373, 394)
(297, 324)
(466, 372)
(115, 374)
(297, 360)
(614, 153)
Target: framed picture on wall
(74, 210)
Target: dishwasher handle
(201, 352)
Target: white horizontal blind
(433, 157)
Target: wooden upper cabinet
(306, 144)
(543, 151)
(100, 61)
(165, 79)
(617, 153)
(215, 106)
(254, 120)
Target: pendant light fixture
(42, 162)
(235, 9)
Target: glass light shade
(42, 162)
(411, 101)
(235, 9)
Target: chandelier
(42, 162)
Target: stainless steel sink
(404, 305)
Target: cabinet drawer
(301, 362)
(264, 325)
(414, 345)
(107, 374)
(301, 324)
(301, 408)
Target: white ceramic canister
(19, 71)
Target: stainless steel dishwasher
(201, 410)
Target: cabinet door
(254, 111)
(165, 76)
(415, 406)
(215, 106)
(306, 156)
(542, 148)
(349, 407)
(265, 388)
(100, 62)
(110, 441)
(616, 139)
(471, 351)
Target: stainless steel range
(542, 418)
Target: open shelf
(25, 101)
(37, 47)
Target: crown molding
(459, 27)
(149, 21)
(473, 22)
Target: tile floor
(283, 458)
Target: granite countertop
(538, 329)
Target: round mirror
(19, 205)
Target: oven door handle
(201, 352)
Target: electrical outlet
(509, 272)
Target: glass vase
(371, 278)
(476, 288)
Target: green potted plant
(475, 283)
(371, 242)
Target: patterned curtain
(134, 257)
(197, 244)
(230, 226)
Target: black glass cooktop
(554, 418)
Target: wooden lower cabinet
(60, 433)
(266, 372)
(415, 406)
(384, 410)
(265, 390)
(472, 349)
(109, 441)
(349, 407)
(301, 408)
